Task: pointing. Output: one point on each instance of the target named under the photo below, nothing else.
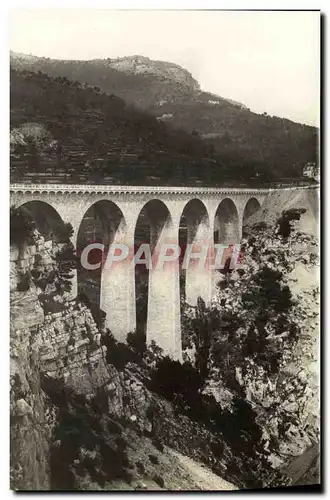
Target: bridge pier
(74, 279)
(69, 214)
(198, 271)
(224, 208)
(163, 321)
(117, 297)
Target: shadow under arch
(226, 223)
(153, 218)
(251, 207)
(100, 224)
(194, 222)
(44, 217)
(51, 265)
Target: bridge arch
(251, 207)
(156, 286)
(103, 223)
(45, 218)
(226, 223)
(153, 217)
(194, 232)
(51, 242)
(70, 206)
(193, 215)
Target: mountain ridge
(169, 93)
(134, 65)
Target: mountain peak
(137, 65)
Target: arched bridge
(130, 214)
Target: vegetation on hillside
(240, 136)
(244, 144)
(236, 381)
(244, 342)
(80, 134)
(51, 276)
(95, 134)
(230, 402)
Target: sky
(268, 60)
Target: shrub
(21, 227)
(152, 353)
(118, 354)
(198, 330)
(180, 383)
(65, 263)
(140, 467)
(153, 459)
(284, 222)
(159, 480)
(62, 232)
(86, 436)
(158, 444)
(271, 293)
(24, 282)
(137, 341)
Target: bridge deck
(84, 188)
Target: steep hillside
(135, 79)
(71, 128)
(171, 94)
(90, 413)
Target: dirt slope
(200, 475)
(278, 201)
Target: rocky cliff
(45, 342)
(89, 413)
(139, 65)
(61, 379)
(287, 399)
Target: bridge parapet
(103, 189)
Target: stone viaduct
(209, 214)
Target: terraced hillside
(245, 144)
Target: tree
(62, 232)
(66, 262)
(21, 227)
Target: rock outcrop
(138, 65)
(60, 347)
(31, 430)
(62, 342)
